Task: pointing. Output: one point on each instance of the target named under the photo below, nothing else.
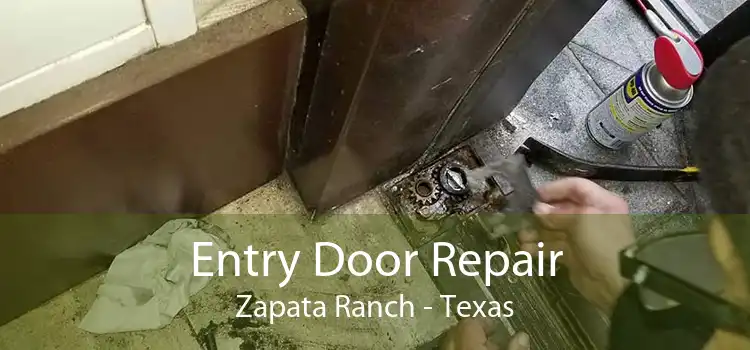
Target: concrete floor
(270, 218)
(593, 64)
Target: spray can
(652, 95)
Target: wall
(49, 46)
(180, 131)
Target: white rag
(148, 284)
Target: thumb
(520, 341)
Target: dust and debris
(261, 340)
(517, 120)
(438, 85)
(117, 341)
(250, 301)
(345, 277)
(626, 189)
(507, 125)
(417, 50)
(254, 333)
(207, 335)
(247, 322)
(81, 307)
(381, 290)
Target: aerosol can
(650, 96)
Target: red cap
(678, 60)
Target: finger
(490, 346)
(449, 342)
(528, 236)
(573, 189)
(544, 246)
(556, 246)
(489, 325)
(552, 235)
(560, 216)
(471, 333)
(558, 208)
(552, 246)
(611, 203)
(560, 249)
(530, 248)
(520, 341)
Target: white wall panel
(35, 33)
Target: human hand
(472, 334)
(590, 225)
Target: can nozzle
(658, 25)
(678, 60)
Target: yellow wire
(691, 169)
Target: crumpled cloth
(148, 284)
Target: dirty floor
(269, 218)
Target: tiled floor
(713, 11)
